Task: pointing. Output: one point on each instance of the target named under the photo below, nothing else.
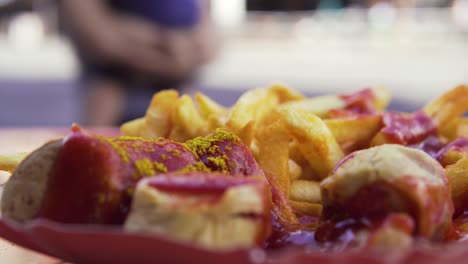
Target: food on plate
(223, 151)
(271, 170)
(97, 175)
(366, 101)
(25, 190)
(449, 107)
(213, 210)
(404, 129)
(88, 179)
(454, 157)
(369, 185)
(9, 162)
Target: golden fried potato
(382, 97)
(286, 94)
(247, 133)
(295, 170)
(354, 133)
(253, 105)
(305, 191)
(319, 105)
(451, 156)
(273, 156)
(315, 140)
(462, 130)
(450, 131)
(137, 128)
(449, 106)
(158, 116)
(458, 178)
(10, 162)
(209, 108)
(305, 208)
(306, 172)
(186, 121)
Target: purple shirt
(170, 13)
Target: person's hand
(140, 46)
(145, 49)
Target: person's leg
(105, 102)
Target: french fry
(295, 170)
(159, 114)
(315, 140)
(355, 133)
(305, 191)
(462, 130)
(10, 162)
(306, 172)
(186, 121)
(295, 154)
(305, 208)
(319, 105)
(286, 94)
(449, 106)
(450, 130)
(272, 142)
(247, 133)
(282, 208)
(297, 142)
(452, 156)
(453, 152)
(458, 178)
(382, 97)
(209, 108)
(252, 105)
(137, 128)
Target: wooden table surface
(15, 140)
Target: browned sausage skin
(373, 184)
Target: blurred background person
(122, 51)
(130, 49)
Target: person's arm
(195, 46)
(145, 48)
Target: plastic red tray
(97, 244)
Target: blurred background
(58, 66)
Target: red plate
(97, 244)
(93, 244)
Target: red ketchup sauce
(299, 234)
(200, 183)
(408, 129)
(360, 102)
(388, 204)
(93, 177)
(367, 210)
(356, 104)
